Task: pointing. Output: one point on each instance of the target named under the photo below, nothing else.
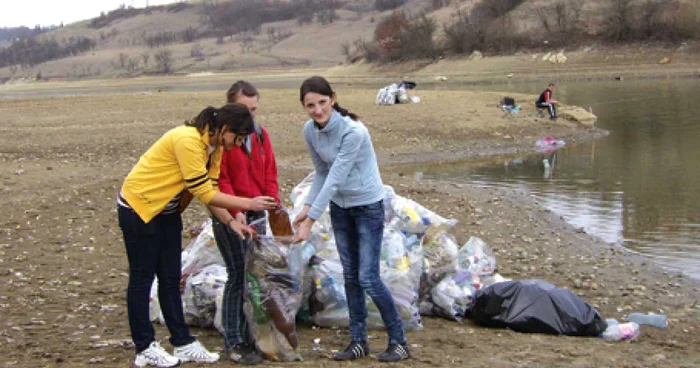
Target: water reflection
(639, 186)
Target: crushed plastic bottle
(622, 331)
(650, 319)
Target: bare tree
(542, 13)
(122, 60)
(145, 56)
(164, 60)
(132, 64)
(619, 22)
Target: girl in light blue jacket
(347, 178)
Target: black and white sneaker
(394, 353)
(356, 349)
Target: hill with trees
(217, 35)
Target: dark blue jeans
(233, 251)
(358, 236)
(154, 249)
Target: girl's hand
(241, 229)
(303, 231)
(303, 215)
(262, 203)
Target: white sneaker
(157, 356)
(195, 352)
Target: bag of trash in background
(200, 253)
(328, 304)
(409, 216)
(402, 95)
(401, 268)
(387, 95)
(199, 296)
(440, 260)
(475, 256)
(535, 306)
(274, 275)
(453, 295)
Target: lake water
(639, 187)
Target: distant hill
(12, 33)
(218, 35)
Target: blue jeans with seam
(154, 249)
(358, 235)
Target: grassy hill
(211, 36)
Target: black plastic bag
(535, 306)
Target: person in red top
(545, 101)
(248, 172)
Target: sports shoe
(356, 349)
(394, 353)
(195, 352)
(157, 356)
(244, 354)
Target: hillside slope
(122, 38)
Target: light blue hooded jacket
(345, 163)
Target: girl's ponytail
(345, 112)
(205, 118)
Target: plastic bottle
(651, 319)
(622, 331)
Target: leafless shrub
(164, 61)
(145, 57)
(464, 34)
(197, 52)
(326, 16)
(122, 60)
(383, 5)
(132, 64)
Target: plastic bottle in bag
(651, 319)
(622, 331)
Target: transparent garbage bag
(199, 295)
(413, 218)
(274, 274)
(201, 252)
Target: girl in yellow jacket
(184, 162)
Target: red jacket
(250, 175)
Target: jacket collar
(334, 122)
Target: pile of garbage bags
(396, 93)
(425, 269)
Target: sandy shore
(63, 270)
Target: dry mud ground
(63, 269)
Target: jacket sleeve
(225, 185)
(338, 173)
(192, 159)
(320, 170)
(271, 187)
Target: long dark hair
(321, 86)
(234, 116)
